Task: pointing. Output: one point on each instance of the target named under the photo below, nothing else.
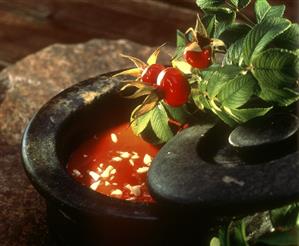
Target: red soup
(114, 163)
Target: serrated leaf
(289, 39)
(221, 114)
(276, 11)
(220, 28)
(218, 76)
(237, 92)
(178, 113)
(159, 123)
(198, 91)
(261, 35)
(285, 218)
(140, 123)
(234, 53)
(261, 8)
(281, 97)
(264, 10)
(209, 3)
(234, 32)
(276, 68)
(240, 4)
(223, 14)
(181, 43)
(284, 238)
(243, 115)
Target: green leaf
(210, 23)
(276, 68)
(281, 238)
(223, 14)
(234, 54)
(234, 32)
(281, 97)
(264, 10)
(209, 3)
(243, 115)
(159, 123)
(239, 233)
(181, 43)
(199, 94)
(237, 92)
(286, 217)
(261, 35)
(218, 76)
(140, 123)
(179, 114)
(289, 39)
(240, 4)
(215, 242)
(222, 114)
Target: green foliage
(209, 3)
(159, 123)
(284, 232)
(264, 10)
(240, 4)
(261, 35)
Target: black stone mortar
(77, 215)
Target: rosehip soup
(114, 162)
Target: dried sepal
(140, 92)
(200, 28)
(154, 56)
(135, 72)
(138, 63)
(148, 104)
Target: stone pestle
(201, 172)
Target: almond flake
(111, 178)
(135, 156)
(107, 171)
(123, 154)
(131, 162)
(114, 138)
(95, 185)
(117, 159)
(113, 171)
(107, 183)
(117, 193)
(142, 169)
(94, 175)
(99, 170)
(134, 190)
(101, 165)
(114, 183)
(147, 159)
(76, 173)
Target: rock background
(24, 88)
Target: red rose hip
(173, 86)
(150, 73)
(198, 59)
